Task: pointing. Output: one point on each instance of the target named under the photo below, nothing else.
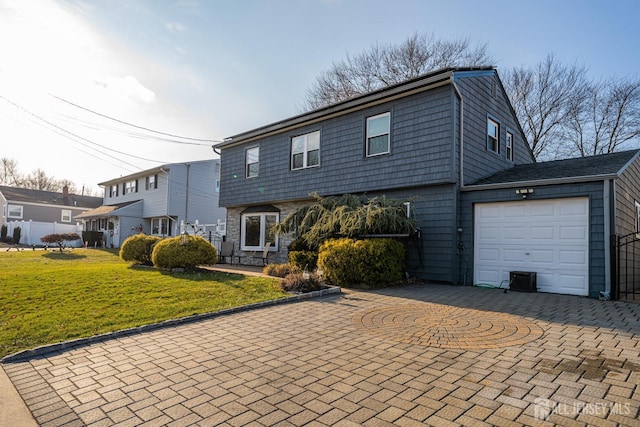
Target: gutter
(539, 182)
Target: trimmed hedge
(170, 253)
(138, 248)
(371, 262)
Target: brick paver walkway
(416, 355)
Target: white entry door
(549, 237)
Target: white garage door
(550, 237)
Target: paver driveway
(415, 355)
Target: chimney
(65, 191)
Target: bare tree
(544, 97)
(608, 117)
(38, 180)
(385, 65)
(9, 174)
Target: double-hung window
(493, 136)
(131, 186)
(509, 146)
(256, 230)
(14, 211)
(65, 215)
(305, 150)
(151, 182)
(113, 191)
(378, 129)
(252, 162)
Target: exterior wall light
(524, 192)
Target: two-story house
(158, 201)
(436, 142)
(39, 212)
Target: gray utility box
(523, 281)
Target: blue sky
(210, 69)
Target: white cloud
(175, 27)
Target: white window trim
(160, 221)
(491, 137)
(151, 182)
(305, 151)
(246, 162)
(15, 208)
(262, 215)
(113, 190)
(131, 187)
(65, 215)
(509, 145)
(388, 133)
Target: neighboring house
(160, 202)
(450, 145)
(39, 212)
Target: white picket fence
(32, 231)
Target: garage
(549, 237)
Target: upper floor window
(65, 215)
(113, 191)
(378, 134)
(151, 182)
(14, 211)
(131, 186)
(493, 136)
(256, 230)
(305, 150)
(509, 146)
(252, 162)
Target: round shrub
(138, 248)
(171, 253)
(371, 262)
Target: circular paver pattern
(443, 326)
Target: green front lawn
(49, 297)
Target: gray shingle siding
(423, 148)
(421, 141)
(479, 104)
(626, 194)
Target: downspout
(459, 228)
(461, 130)
(607, 236)
(186, 198)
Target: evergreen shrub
(370, 262)
(17, 232)
(171, 253)
(303, 259)
(138, 248)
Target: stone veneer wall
(233, 233)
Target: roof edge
(539, 182)
(416, 85)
